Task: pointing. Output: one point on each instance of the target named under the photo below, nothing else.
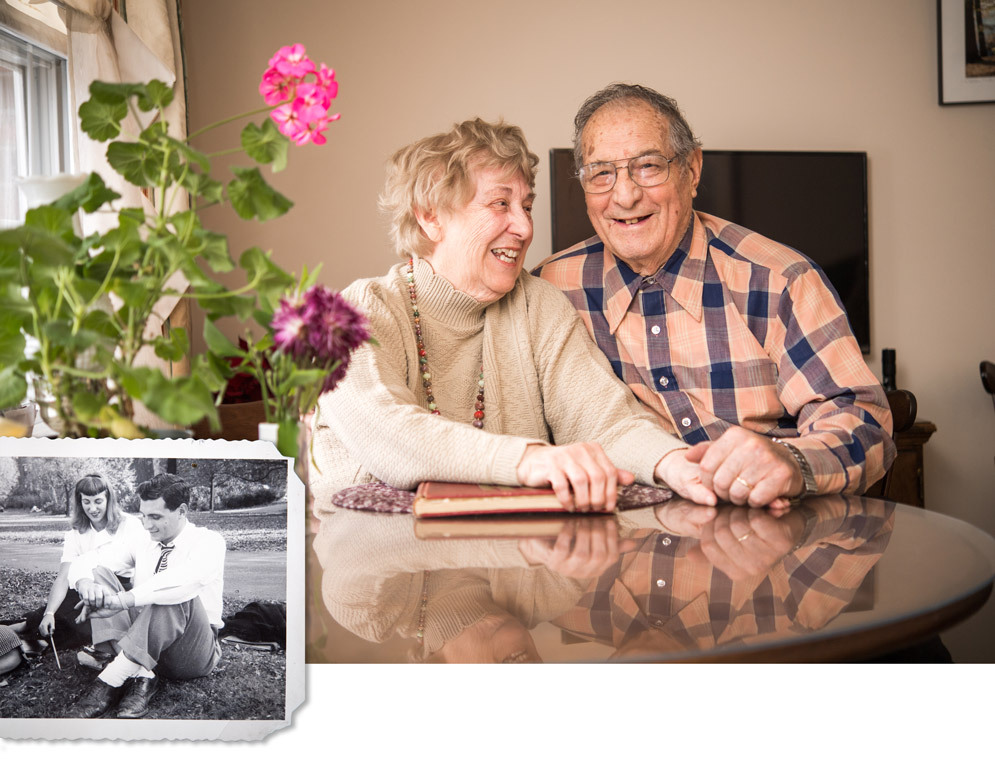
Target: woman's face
(481, 247)
(95, 508)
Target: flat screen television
(814, 201)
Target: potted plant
(87, 300)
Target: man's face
(163, 525)
(640, 225)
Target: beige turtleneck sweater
(545, 382)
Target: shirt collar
(681, 276)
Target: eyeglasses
(645, 170)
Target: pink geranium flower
(292, 61)
(275, 87)
(302, 104)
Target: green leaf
(217, 343)
(12, 343)
(252, 197)
(189, 153)
(155, 95)
(203, 186)
(51, 219)
(102, 120)
(269, 280)
(13, 387)
(134, 379)
(185, 223)
(266, 144)
(89, 196)
(114, 93)
(129, 159)
(182, 400)
(87, 406)
(133, 294)
(215, 251)
(39, 246)
(174, 347)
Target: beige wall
(765, 74)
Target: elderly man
(167, 623)
(737, 343)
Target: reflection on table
(840, 578)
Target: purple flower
(319, 330)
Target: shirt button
(661, 583)
(665, 540)
(664, 381)
(685, 422)
(658, 623)
(655, 329)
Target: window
(34, 119)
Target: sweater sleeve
(583, 400)
(376, 416)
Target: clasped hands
(741, 467)
(99, 601)
(739, 541)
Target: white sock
(119, 670)
(145, 673)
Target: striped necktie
(163, 557)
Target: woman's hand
(684, 518)
(683, 476)
(581, 474)
(586, 547)
(47, 626)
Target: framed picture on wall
(966, 51)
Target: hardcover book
(501, 526)
(435, 499)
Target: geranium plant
(87, 300)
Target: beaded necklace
(422, 608)
(426, 375)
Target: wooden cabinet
(905, 482)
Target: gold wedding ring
(744, 483)
(745, 536)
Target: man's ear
(429, 222)
(694, 168)
(182, 508)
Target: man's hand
(581, 474)
(586, 547)
(745, 468)
(683, 475)
(744, 542)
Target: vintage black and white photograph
(966, 51)
(144, 587)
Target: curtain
(103, 45)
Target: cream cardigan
(545, 381)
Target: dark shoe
(93, 658)
(135, 703)
(96, 701)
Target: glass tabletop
(839, 578)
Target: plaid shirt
(735, 329)
(656, 600)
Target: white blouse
(75, 543)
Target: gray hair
(435, 173)
(682, 139)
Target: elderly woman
(482, 373)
